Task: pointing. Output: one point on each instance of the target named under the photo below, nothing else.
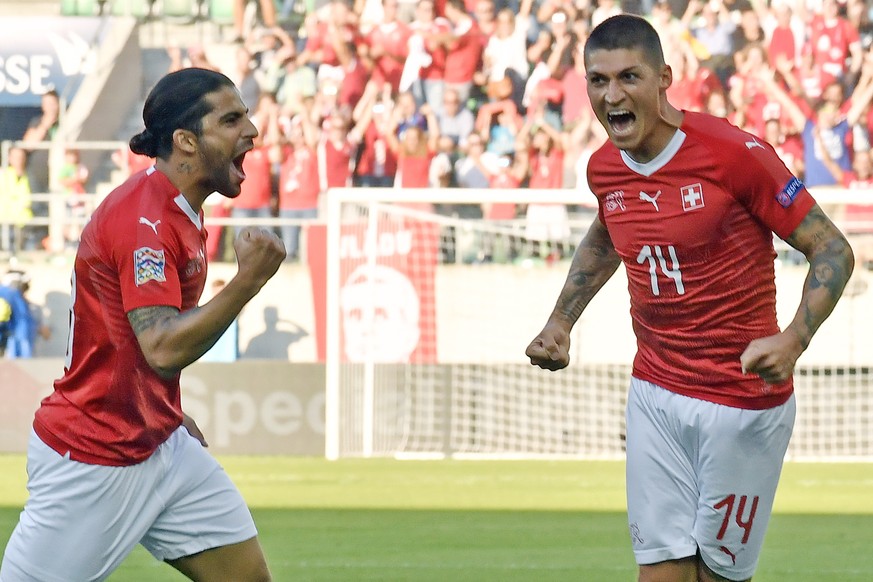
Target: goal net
(431, 303)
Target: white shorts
(702, 476)
(82, 520)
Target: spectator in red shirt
(415, 148)
(377, 164)
(575, 103)
(336, 148)
(435, 32)
(298, 182)
(464, 50)
(784, 32)
(337, 30)
(834, 41)
(484, 13)
(547, 224)
(386, 46)
(746, 90)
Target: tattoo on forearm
(145, 317)
(829, 268)
(592, 267)
(831, 264)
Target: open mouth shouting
(237, 164)
(621, 121)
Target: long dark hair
(176, 102)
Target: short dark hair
(627, 31)
(177, 101)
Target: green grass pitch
(423, 521)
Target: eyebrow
(234, 114)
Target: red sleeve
(769, 191)
(147, 262)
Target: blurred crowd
(491, 94)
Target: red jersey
(782, 44)
(393, 38)
(464, 53)
(298, 180)
(322, 40)
(501, 210)
(414, 170)
(575, 97)
(335, 162)
(546, 170)
(144, 246)
(829, 41)
(376, 158)
(694, 228)
(431, 32)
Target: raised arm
(861, 96)
(171, 340)
(594, 262)
(772, 88)
(831, 262)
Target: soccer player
(112, 459)
(689, 204)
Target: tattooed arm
(593, 264)
(171, 340)
(830, 265)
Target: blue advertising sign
(39, 54)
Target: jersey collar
(659, 161)
(182, 203)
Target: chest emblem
(692, 197)
(614, 201)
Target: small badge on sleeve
(786, 196)
(149, 265)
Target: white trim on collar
(659, 161)
(182, 203)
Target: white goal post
(429, 308)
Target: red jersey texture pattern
(144, 246)
(694, 230)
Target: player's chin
(229, 190)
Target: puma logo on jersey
(754, 144)
(149, 223)
(653, 199)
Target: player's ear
(666, 77)
(185, 140)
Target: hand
(550, 350)
(259, 253)
(193, 429)
(772, 358)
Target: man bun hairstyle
(177, 101)
(627, 31)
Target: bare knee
(243, 562)
(705, 574)
(682, 570)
